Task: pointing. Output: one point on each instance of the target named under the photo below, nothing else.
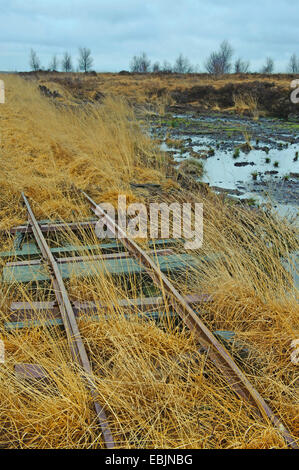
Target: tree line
(219, 62)
(85, 61)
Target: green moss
(251, 201)
(236, 152)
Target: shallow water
(261, 178)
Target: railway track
(75, 341)
(208, 341)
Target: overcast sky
(115, 30)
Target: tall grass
(46, 150)
(158, 390)
(247, 102)
(145, 88)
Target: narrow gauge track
(70, 324)
(214, 349)
(207, 340)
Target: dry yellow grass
(46, 151)
(158, 391)
(247, 103)
(132, 84)
(155, 91)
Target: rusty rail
(69, 320)
(233, 375)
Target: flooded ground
(253, 160)
(248, 159)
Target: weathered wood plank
(127, 266)
(37, 307)
(56, 227)
(31, 372)
(30, 249)
(36, 376)
(23, 311)
(10, 326)
(227, 336)
(77, 259)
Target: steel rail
(69, 320)
(233, 375)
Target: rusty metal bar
(215, 350)
(68, 317)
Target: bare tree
(212, 64)
(85, 59)
(226, 53)
(66, 63)
(219, 62)
(34, 61)
(269, 66)
(156, 68)
(140, 64)
(182, 65)
(166, 67)
(241, 66)
(293, 66)
(54, 64)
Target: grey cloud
(115, 30)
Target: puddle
(268, 173)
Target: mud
(272, 99)
(254, 161)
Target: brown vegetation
(200, 92)
(159, 392)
